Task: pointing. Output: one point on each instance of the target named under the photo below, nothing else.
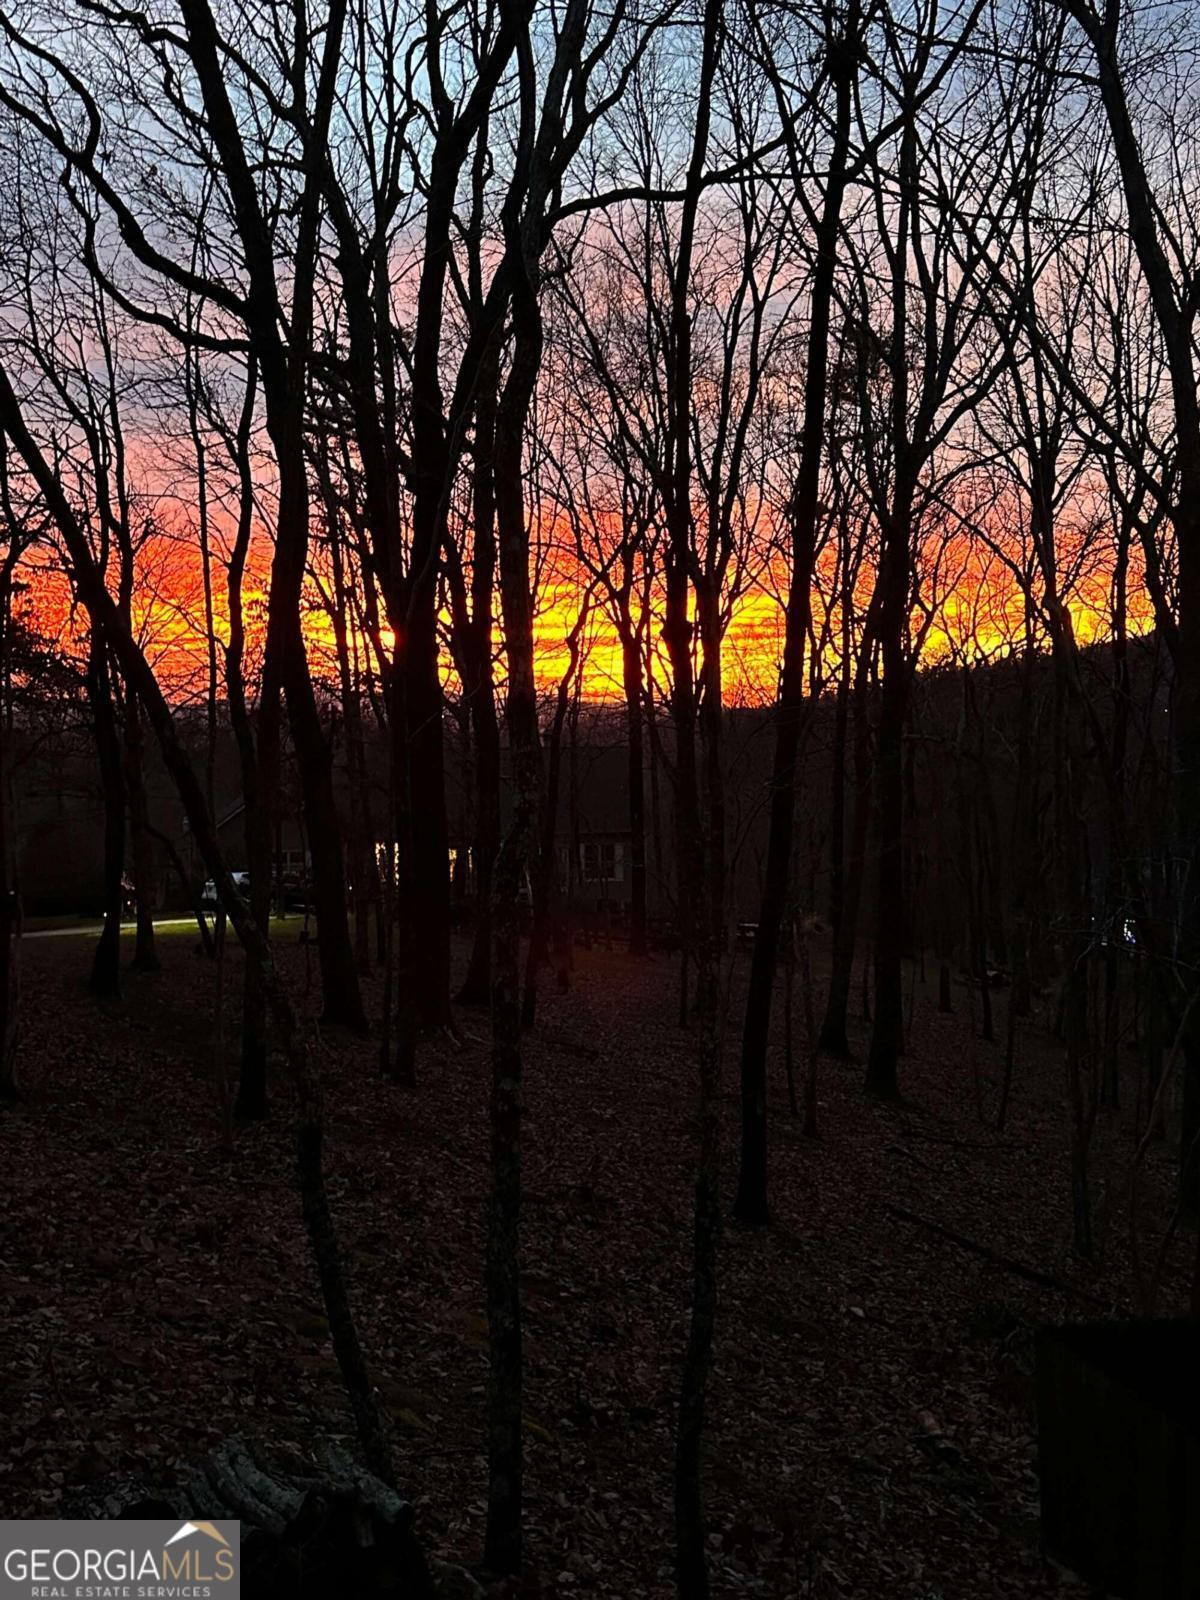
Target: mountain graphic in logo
(205, 1528)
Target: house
(600, 876)
(290, 854)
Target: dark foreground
(871, 1425)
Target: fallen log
(324, 1529)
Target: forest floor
(871, 1428)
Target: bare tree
(841, 46)
(112, 627)
(248, 313)
(1161, 224)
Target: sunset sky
(974, 592)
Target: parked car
(210, 900)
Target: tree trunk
(545, 887)
(259, 768)
(1111, 1088)
(833, 1037)
(250, 1103)
(106, 964)
(429, 904)
(700, 888)
(425, 882)
(360, 845)
(1174, 311)
(145, 957)
(403, 1068)
(892, 592)
(340, 992)
(751, 1203)
(1024, 839)
(284, 372)
(10, 903)
(837, 792)
(503, 1540)
(887, 1033)
(631, 667)
(476, 988)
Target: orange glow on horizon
(974, 597)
